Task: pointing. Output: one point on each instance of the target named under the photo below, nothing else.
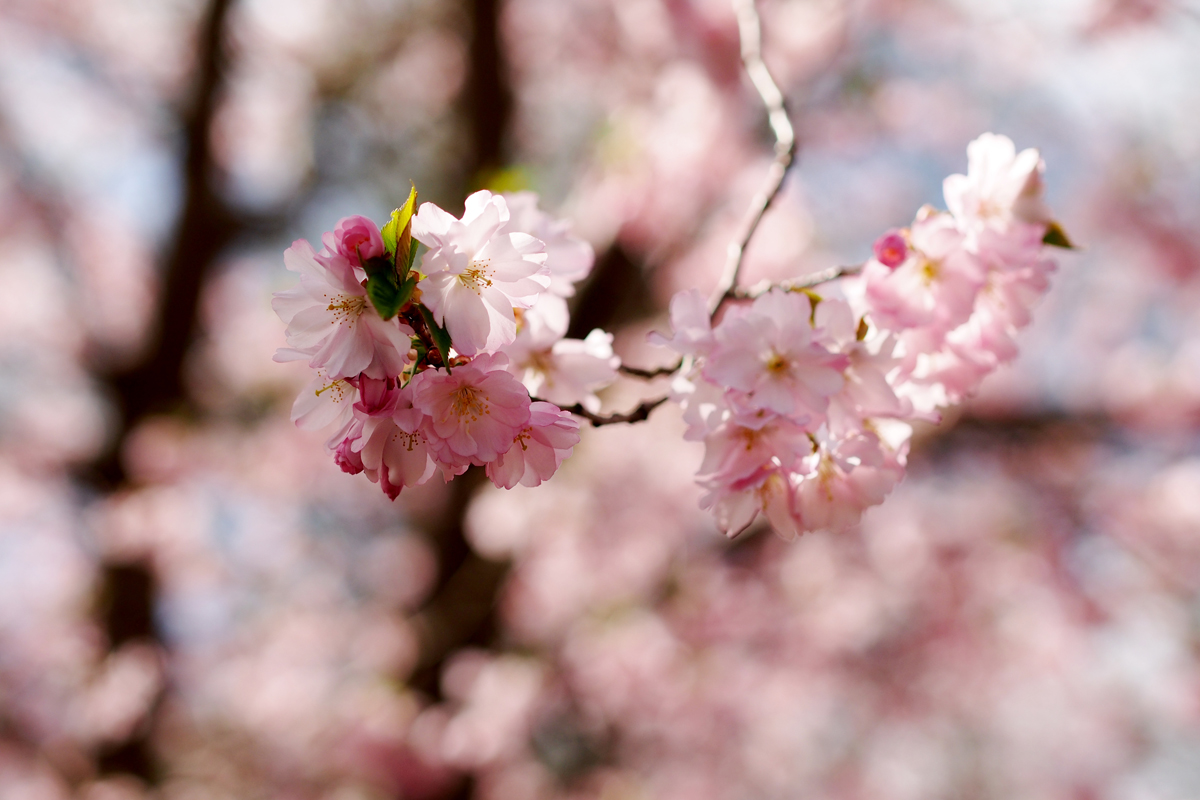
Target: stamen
(338, 387)
(477, 275)
(346, 309)
(468, 403)
(777, 363)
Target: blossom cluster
(462, 360)
(804, 400)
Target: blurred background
(196, 604)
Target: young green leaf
(405, 292)
(1057, 237)
(397, 234)
(441, 339)
(382, 287)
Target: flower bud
(358, 237)
(890, 249)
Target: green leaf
(412, 257)
(1057, 237)
(397, 234)
(441, 339)
(382, 287)
(863, 329)
(385, 296)
(406, 290)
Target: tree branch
(650, 374)
(639, 414)
(750, 33)
(806, 282)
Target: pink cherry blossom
(768, 351)
(568, 258)
(705, 404)
(850, 476)
(345, 452)
(891, 249)
(475, 274)
(357, 239)
(867, 390)
(395, 457)
(563, 371)
(377, 398)
(331, 321)
(1001, 185)
(475, 412)
(768, 491)
(691, 326)
(324, 401)
(538, 450)
(934, 288)
(735, 451)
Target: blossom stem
(417, 322)
(639, 414)
(750, 34)
(650, 374)
(805, 282)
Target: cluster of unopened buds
(803, 399)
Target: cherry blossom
(891, 249)
(538, 450)
(563, 371)
(769, 352)
(568, 258)
(475, 412)
(934, 288)
(790, 388)
(475, 274)
(331, 321)
(803, 401)
(1001, 186)
(324, 401)
(848, 476)
(357, 239)
(691, 325)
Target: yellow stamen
(477, 275)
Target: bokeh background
(195, 604)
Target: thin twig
(650, 374)
(806, 282)
(750, 33)
(639, 414)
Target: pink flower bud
(890, 249)
(358, 236)
(377, 398)
(345, 457)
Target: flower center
(409, 441)
(777, 364)
(477, 275)
(469, 404)
(336, 389)
(346, 309)
(540, 362)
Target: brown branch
(750, 33)
(206, 225)
(639, 414)
(488, 92)
(797, 284)
(650, 374)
